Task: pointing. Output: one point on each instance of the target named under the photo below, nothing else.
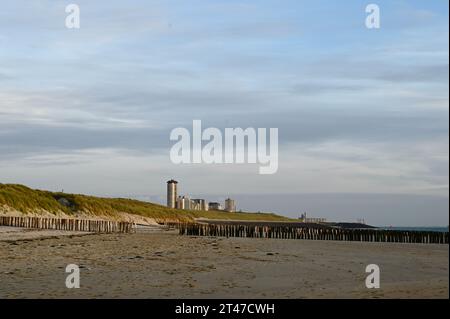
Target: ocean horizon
(416, 228)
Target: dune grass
(26, 200)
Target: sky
(362, 113)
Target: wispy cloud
(91, 109)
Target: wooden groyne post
(83, 225)
(288, 232)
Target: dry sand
(162, 264)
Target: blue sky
(360, 112)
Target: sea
(436, 229)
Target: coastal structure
(230, 205)
(214, 206)
(304, 219)
(200, 204)
(295, 231)
(171, 193)
(184, 202)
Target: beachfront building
(304, 219)
(183, 202)
(230, 205)
(172, 193)
(215, 206)
(200, 204)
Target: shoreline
(13, 234)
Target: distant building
(230, 205)
(304, 219)
(361, 221)
(179, 203)
(172, 193)
(200, 204)
(215, 206)
(183, 202)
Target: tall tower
(172, 193)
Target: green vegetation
(26, 200)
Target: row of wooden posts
(287, 232)
(84, 225)
(224, 230)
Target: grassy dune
(26, 200)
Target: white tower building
(172, 193)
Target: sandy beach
(162, 264)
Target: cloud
(348, 68)
(91, 110)
(5, 77)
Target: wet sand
(162, 264)
(12, 234)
